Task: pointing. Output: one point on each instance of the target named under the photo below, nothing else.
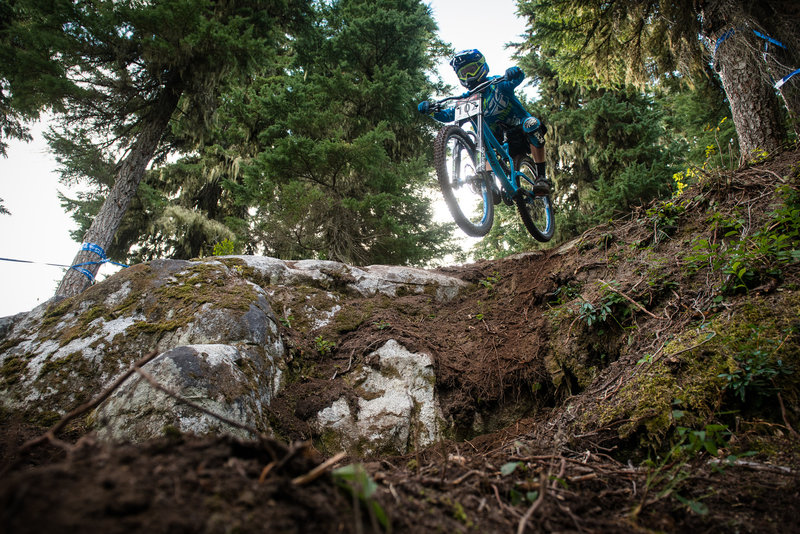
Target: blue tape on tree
(84, 272)
(785, 79)
(730, 32)
(722, 39)
(97, 249)
(769, 39)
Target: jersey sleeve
(446, 115)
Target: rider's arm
(446, 115)
(514, 76)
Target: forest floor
(526, 476)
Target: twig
(465, 476)
(755, 466)
(706, 340)
(349, 365)
(319, 470)
(535, 506)
(265, 472)
(626, 297)
(153, 382)
(50, 435)
(785, 420)
(560, 474)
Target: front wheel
(466, 191)
(536, 211)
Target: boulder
(396, 410)
(228, 382)
(221, 346)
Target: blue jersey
(500, 106)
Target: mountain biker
(502, 111)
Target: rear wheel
(466, 191)
(536, 211)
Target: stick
(152, 381)
(50, 435)
(626, 297)
(319, 470)
(535, 506)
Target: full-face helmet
(470, 66)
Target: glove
(424, 107)
(514, 73)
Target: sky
(38, 229)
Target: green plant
(664, 216)
(564, 294)
(610, 305)
(592, 314)
(286, 321)
(355, 480)
(744, 261)
(667, 475)
(382, 325)
(757, 367)
(323, 345)
(223, 248)
(490, 281)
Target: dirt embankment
(643, 378)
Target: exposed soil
(518, 459)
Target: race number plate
(468, 108)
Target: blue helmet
(470, 66)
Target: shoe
(542, 187)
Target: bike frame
(485, 138)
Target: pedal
(541, 188)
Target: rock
(220, 378)
(396, 411)
(61, 354)
(220, 346)
(366, 281)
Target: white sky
(38, 229)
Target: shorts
(520, 143)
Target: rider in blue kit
(502, 111)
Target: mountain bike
(461, 153)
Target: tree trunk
(782, 64)
(755, 108)
(130, 173)
(728, 28)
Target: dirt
(526, 453)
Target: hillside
(641, 378)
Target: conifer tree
(141, 67)
(647, 42)
(319, 155)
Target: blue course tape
(722, 39)
(785, 79)
(730, 32)
(91, 247)
(769, 39)
(97, 249)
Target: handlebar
(438, 105)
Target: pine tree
(346, 173)
(320, 156)
(144, 66)
(651, 42)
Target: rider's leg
(537, 153)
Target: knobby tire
(536, 211)
(455, 187)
